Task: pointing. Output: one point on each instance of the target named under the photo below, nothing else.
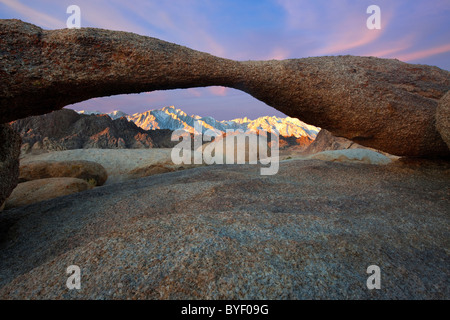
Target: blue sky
(414, 31)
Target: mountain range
(172, 118)
(68, 129)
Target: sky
(414, 31)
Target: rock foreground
(379, 103)
(225, 232)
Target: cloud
(218, 91)
(300, 14)
(334, 26)
(34, 16)
(350, 40)
(182, 22)
(352, 33)
(421, 54)
(102, 14)
(194, 92)
(278, 53)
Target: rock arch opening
(218, 102)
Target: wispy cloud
(187, 22)
(218, 91)
(301, 14)
(194, 92)
(421, 54)
(33, 15)
(278, 53)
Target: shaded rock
(158, 168)
(352, 155)
(379, 103)
(162, 138)
(152, 170)
(9, 161)
(294, 143)
(43, 189)
(67, 130)
(443, 118)
(81, 169)
(325, 140)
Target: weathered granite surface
(226, 232)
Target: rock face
(66, 130)
(299, 144)
(326, 141)
(443, 118)
(380, 103)
(86, 170)
(43, 189)
(9, 161)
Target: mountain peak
(170, 117)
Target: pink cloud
(183, 20)
(194, 92)
(34, 16)
(278, 54)
(353, 33)
(339, 25)
(101, 14)
(218, 91)
(424, 53)
(389, 49)
(346, 42)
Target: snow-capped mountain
(173, 119)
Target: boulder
(118, 163)
(384, 104)
(153, 169)
(44, 189)
(9, 161)
(325, 140)
(352, 155)
(443, 118)
(87, 170)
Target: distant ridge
(172, 118)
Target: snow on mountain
(89, 112)
(117, 114)
(173, 119)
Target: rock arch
(380, 103)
